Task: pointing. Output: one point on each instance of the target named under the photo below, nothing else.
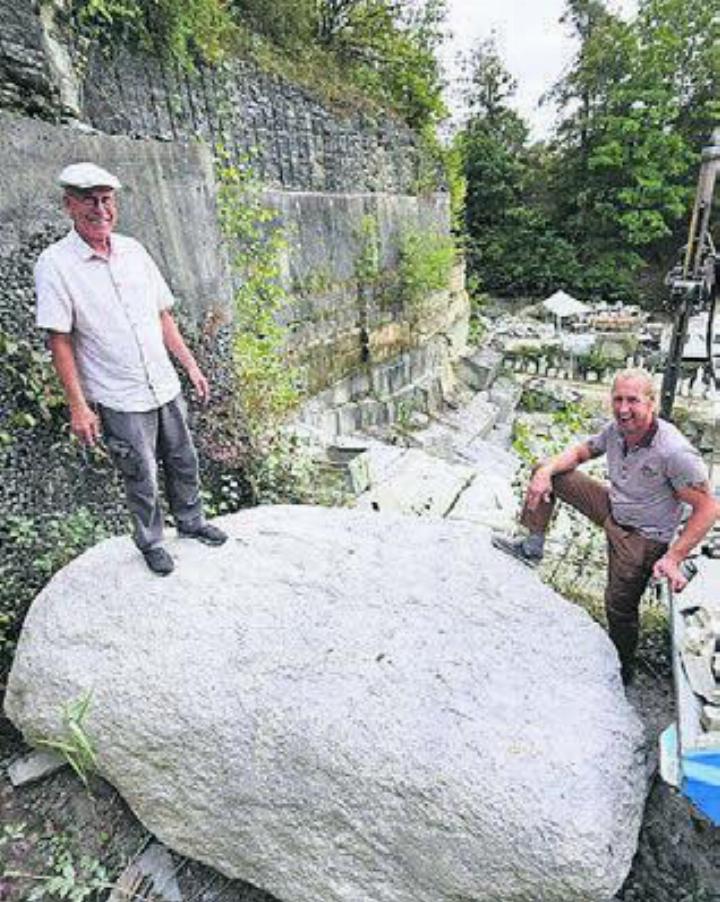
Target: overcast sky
(534, 46)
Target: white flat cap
(87, 175)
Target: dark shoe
(209, 535)
(159, 561)
(516, 548)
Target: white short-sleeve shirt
(112, 309)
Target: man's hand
(85, 424)
(199, 383)
(669, 568)
(539, 488)
(175, 343)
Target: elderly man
(107, 310)
(653, 471)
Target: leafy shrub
(30, 391)
(425, 264)
(273, 464)
(367, 262)
(287, 473)
(188, 31)
(291, 24)
(267, 386)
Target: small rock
(34, 767)
(154, 865)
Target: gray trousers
(136, 441)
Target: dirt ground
(678, 855)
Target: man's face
(632, 408)
(93, 212)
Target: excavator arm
(693, 282)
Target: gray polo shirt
(643, 479)
(112, 309)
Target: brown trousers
(630, 555)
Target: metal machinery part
(690, 748)
(693, 282)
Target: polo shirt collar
(645, 441)
(83, 249)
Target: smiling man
(653, 472)
(106, 308)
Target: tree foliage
(609, 197)
(390, 49)
(385, 47)
(639, 101)
(511, 245)
(189, 31)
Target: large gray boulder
(344, 706)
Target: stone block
(423, 485)
(479, 369)
(34, 766)
(341, 705)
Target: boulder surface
(349, 707)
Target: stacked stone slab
(26, 81)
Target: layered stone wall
(326, 172)
(26, 81)
(293, 140)
(167, 202)
(339, 322)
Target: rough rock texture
(294, 139)
(26, 80)
(343, 706)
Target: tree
(390, 48)
(488, 86)
(511, 246)
(636, 100)
(386, 47)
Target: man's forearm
(540, 485)
(84, 422)
(63, 355)
(566, 460)
(175, 343)
(701, 520)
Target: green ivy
(188, 31)
(34, 548)
(277, 465)
(267, 386)
(30, 393)
(425, 264)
